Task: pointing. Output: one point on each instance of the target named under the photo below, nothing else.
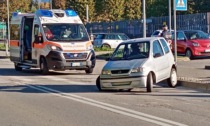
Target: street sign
(181, 5)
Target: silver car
(139, 63)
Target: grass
(98, 49)
(2, 46)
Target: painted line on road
(109, 107)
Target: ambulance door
(22, 39)
(37, 44)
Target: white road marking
(106, 106)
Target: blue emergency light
(70, 13)
(45, 13)
(14, 14)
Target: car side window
(110, 37)
(180, 36)
(117, 37)
(157, 50)
(165, 45)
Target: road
(70, 98)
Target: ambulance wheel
(17, 68)
(43, 66)
(89, 71)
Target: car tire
(106, 46)
(43, 66)
(17, 68)
(89, 71)
(149, 85)
(189, 54)
(98, 84)
(172, 80)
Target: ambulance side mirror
(38, 39)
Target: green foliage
(2, 46)
(98, 49)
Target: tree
(59, 4)
(132, 10)
(80, 7)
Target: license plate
(75, 64)
(207, 50)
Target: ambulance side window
(37, 32)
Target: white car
(139, 63)
(109, 40)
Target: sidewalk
(191, 74)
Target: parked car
(157, 33)
(109, 40)
(192, 43)
(139, 63)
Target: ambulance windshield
(65, 32)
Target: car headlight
(138, 70)
(195, 44)
(54, 48)
(106, 72)
(90, 47)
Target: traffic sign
(181, 5)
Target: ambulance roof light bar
(44, 13)
(70, 13)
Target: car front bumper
(118, 83)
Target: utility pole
(169, 13)
(8, 29)
(144, 20)
(87, 13)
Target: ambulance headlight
(54, 48)
(90, 47)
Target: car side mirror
(157, 55)
(107, 59)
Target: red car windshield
(195, 35)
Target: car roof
(142, 39)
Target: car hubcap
(173, 77)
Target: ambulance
(50, 40)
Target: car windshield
(195, 35)
(65, 32)
(129, 51)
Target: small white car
(139, 63)
(109, 40)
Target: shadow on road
(36, 72)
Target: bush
(98, 49)
(2, 46)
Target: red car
(192, 43)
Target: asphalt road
(71, 98)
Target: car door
(168, 56)
(181, 42)
(110, 40)
(160, 61)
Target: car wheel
(149, 83)
(106, 46)
(43, 66)
(89, 71)
(189, 54)
(172, 80)
(17, 68)
(98, 84)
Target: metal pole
(175, 42)
(87, 13)
(51, 4)
(169, 12)
(144, 20)
(8, 29)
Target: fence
(134, 28)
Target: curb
(194, 83)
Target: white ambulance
(50, 40)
